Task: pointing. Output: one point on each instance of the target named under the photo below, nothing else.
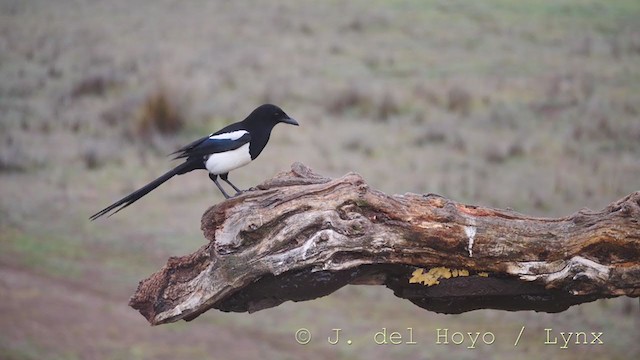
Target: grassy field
(532, 105)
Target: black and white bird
(234, 146)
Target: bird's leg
(215, 180)
(225, 177)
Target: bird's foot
(239, 192)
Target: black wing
(190, 146)
(210, 145)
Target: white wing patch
(234, 135)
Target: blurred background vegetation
(532, 105)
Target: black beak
(290, 121)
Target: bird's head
(271, 114)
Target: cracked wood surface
(300, 236)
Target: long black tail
(136, 195)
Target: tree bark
(300, 236)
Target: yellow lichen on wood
(433, 276)
(460, 272)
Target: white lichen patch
(305, 248)
(470, 231)
(559, 270)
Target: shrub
(160, 113)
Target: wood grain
(300, 236)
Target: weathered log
(300, 236)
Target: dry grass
(459, 100)
(92, 85)
(13, 158)
(362, 102)
(528, 105)
(161, 114)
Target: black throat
(260, 134)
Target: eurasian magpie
(233, 146)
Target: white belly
(222, 163)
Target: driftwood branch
(300, 236)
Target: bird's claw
(239, 192)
